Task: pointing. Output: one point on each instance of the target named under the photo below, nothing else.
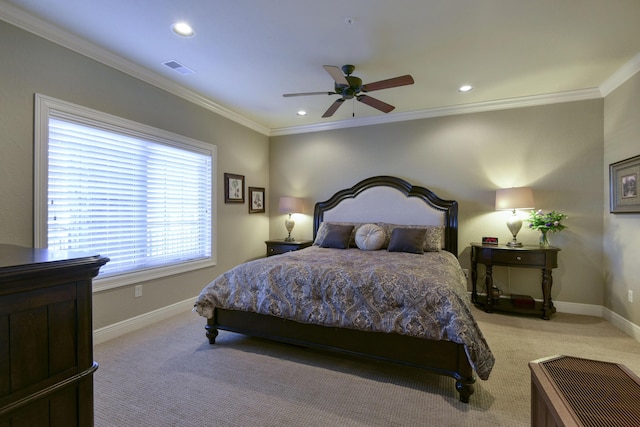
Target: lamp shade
(290, 205)
(514, 198)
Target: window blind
(143, 203)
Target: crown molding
(625, 72)
(50, 32)
(478, 107)
(27, 22)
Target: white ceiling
(247, 53)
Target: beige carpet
(168, 375)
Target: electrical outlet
(630, 295)
(137, 291)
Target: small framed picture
(233, 188)
(623, 186)
(256, 200)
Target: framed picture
(256, 200)
(233, 188)
(623, 186)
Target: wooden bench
(570, 391)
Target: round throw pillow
(370, 237)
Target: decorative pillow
(433, 241)
(337, 237)
(322, 232)
(370, 237)
(407, 240)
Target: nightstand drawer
(280, 249)
(516, 258)
(276, 247)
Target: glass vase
(544, 238)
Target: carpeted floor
(168, 375)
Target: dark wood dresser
(46, 342)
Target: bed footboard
(442, 357)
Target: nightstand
(279, 246)
(544, 258)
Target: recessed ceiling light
(183, 29)
(302, 113)
(465, 88)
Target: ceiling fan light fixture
(183, 29)
(349, 86)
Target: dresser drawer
(518, 258)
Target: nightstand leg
(488, 285)
(474, 280)
(547, 304)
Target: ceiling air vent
(178, 67)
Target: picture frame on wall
(233, 188)
(256, 200)
(623, 186)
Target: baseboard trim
(133, 324)
(612, 317)
(124, 327)
(583, 309)
(623, 324)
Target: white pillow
(370, 237)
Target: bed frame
(374, 199)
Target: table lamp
(290, 205)
(514, 199)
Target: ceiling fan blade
(375, 103)
(336, 74)
(388, 83)
(286, 95)
(332, 109)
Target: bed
(405, 302)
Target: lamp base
(289, 224)
(514, 224)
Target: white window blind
(144, 202)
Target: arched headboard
(393, 200)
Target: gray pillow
(322, 232)
(407, 240)
(433, 239)
(337, 237)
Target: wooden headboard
(393, 200)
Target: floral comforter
(395, 292)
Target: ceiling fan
(351, 87)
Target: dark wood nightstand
(544, 258)
(279, 246)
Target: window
(141, 196)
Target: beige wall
(622, 231)
(555, 149)
(30, 64)
(558, 150)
